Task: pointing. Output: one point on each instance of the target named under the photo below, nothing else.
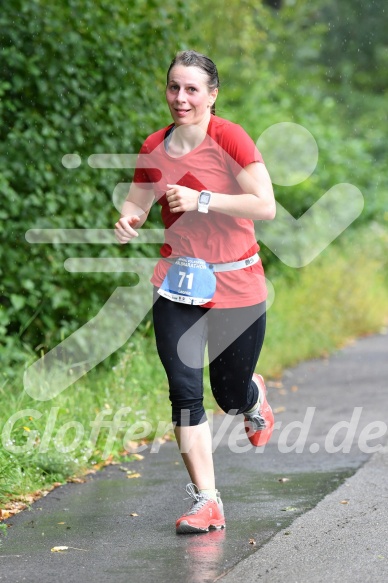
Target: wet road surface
(108, 544)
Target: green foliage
(42, 446)
(86, 77)
(340, 296)
(274, 67)
(77, 77)
(355, 49)
(83, 77)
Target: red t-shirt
(214, 237)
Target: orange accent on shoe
(259, 436)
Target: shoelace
(257, 421)
(199, 499)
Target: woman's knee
(233, 405)
(234, 395)
(188, 414)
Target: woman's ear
(213, 96)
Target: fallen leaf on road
(12, 508)
(279, 410)
(344, 502)
(294, 388)
(134, 514)
(275, 384)
(61, 522)
(108, 462)
(60, 549)
(135, 475)
(160, 440)
(130, 447)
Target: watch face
(204, 198)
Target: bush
(78, 77)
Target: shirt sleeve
(145, 176)
(239, 147)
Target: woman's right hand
(125, 228)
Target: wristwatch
(204, 201)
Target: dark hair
(194, 59)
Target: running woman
(209, 286)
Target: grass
(341, 295)
(318, 308)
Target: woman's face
(188, 95)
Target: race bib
(189, 281)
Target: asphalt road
(298, 510)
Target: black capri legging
(234, 336)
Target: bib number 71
(189, 276)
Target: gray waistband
(232, 266)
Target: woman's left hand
(181, 199)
